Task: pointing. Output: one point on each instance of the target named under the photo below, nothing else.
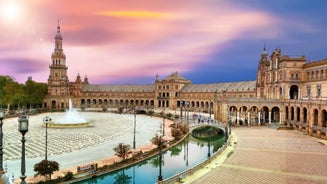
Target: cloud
(133, 14)
(129, 39)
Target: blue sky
(120, 42)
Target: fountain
(71, 119)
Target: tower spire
(58, 26)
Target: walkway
(266, 155)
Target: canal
(183, 156)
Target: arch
(53, 104)
(265, 114)
(292, 114)
(294, 91)
(243, 115)
(286, 113)
(275, 114)
(315, 120)
(298, 116)
(305, 115)
(88, 101)
(83, 101)
(324, 122)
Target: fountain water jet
(71, 119)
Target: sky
(131, 41)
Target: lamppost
(210, 109)
(23, 128)
(229, 121)
(46, 121)
(187, 103)
(134, 130)
(163, 122)
(209, 155)
(160, 160)
(2, 116)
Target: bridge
(218, 125)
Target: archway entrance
(294, 91)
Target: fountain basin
(67, 125)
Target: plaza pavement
(266, 155)
(78, 146)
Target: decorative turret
(78, 79)
(86, 80)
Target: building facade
(288, 90)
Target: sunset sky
(130, 41)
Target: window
(321, 74)
(308, 75)
(296, 76)
(312, 75)
(317, 75)
(318, 90)
(308, 90)
(292, 76)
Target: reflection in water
(122, 178)
(183, 156)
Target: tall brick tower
(58, 83)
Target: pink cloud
(120, 39)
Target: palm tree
(122, 150)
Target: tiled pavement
(265, 155)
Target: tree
(3, 82)
(14, 94)
(35, 92)
(122, 178)
(122, 150)
(151, 112)
(46, 167)
(157, 140)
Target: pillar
(238, 117)
(259, 118)
(248, 118)
(269, 116)
(280, 117)
(319, 123)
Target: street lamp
(23, 128)
(160, 160)
(163, 122)
(46, 121)
(2, 116)
(209, 155)
(134, 130)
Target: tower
(261, 73)
(58, 84)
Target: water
(71, 116)
(183, 156)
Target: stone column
(299, 97)
(280, 117)
(289, 116)
(319, 123)
(238, 117)
(301, 120)
(259, 119)
(309, 123)
(269, 116)
(248, 118)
